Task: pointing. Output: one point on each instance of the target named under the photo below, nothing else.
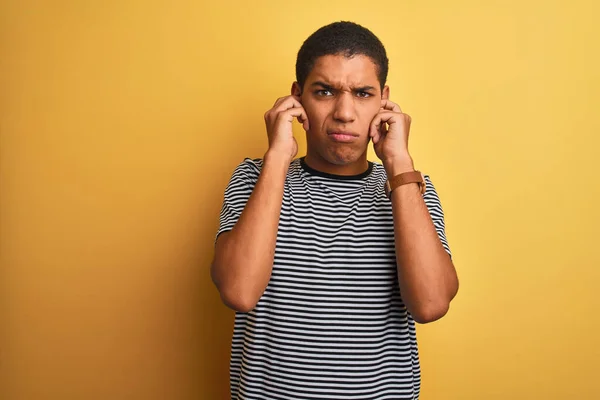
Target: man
(327, 269)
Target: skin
(340, 95)
(341, 107)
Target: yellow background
(121, 122)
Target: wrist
(276, 159)
(398, 165)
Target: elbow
(433, 310)
(430, 313)
(233, 297)
(238, 302)
(234, 293)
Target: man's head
(341, 72)
(341, 38)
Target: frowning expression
(341, 97)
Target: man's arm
(244, 256)
(426, 274)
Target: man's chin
(341, 158)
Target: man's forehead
(338, 70)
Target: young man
(327, 269)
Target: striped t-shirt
(331, 323)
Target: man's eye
(363, 94)
(324, 92)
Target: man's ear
(296, 89)
(385, 94)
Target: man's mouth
(343, 136)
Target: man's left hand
(389, 130)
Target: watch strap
(404, 179)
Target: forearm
(244, 256)
(426, 275)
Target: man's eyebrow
(329, 87)
(364, 89)
(322, 84)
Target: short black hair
(341, 38)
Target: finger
(293, 103)
(269, 112)
(388, 117)
(303, 119)
(383, 128)
(390, 106)
(282, 104)
(372, 128)
(287, 103)
(379, 119)
(376, 136)
(305, 122)
(278, 101)
(296, 112)
(379, 125)
(375, 131)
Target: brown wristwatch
(403, 179)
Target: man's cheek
(310, 114)
(373, 113)
(314, 119)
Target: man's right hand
(243, 260)
(279, 126)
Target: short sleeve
(237, 193)
(434, 206)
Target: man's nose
(344, 108)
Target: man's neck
(317, 163)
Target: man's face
(341, 96)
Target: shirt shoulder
(249, 168)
